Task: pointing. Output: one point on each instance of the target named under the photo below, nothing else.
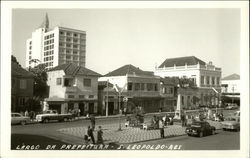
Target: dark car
(200, 128)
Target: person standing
(91, 135)
(100, 136)
(161, 127)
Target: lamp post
(107, 98)
(119, 102)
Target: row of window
(49, 42)
(69, 82)
(167, 90)
(49, 47)
(49, 36)
(65, 33)
(80, 96)
(50, 52)
(69, 51)
(210, 80)
(22, 83)
(142, 86)
(48, 58)
(71, 39)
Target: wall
(56, 90)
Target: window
(68, 34)
(218, 80)
(68, 57)
(164, 90)
(75, 40)
(68, 40)
(75, 58)
(58, 81)
(75, 52)
(149, 86)
(208, 80)
(130, 86)
(75, 35)
(137, 86)
(23, 84)
(202, 80)
(156, 87)
(81, 96)
(68, 82)
(71, 96)
(142, 86)
(87, 82)
(213, 81)
(61, 33)
(171, 90)
(68, 45)
(75, 46)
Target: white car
(17, 118)
(231, 123)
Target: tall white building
(56, 46)
(206, 76)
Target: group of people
(90, 133)
(160, 123)
(31, 114)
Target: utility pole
(107, 99)
(233, 94)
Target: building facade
(132, 87)
(231, 88)
(206, 76)
(56, 46)
(73, 87)
(22, 83)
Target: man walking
(91, 135)
(161, 127)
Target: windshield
(196, 124)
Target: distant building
(134, 87)
(56, 46)
(73, 87)
(231, 88)
(22, 83)
(206, 77)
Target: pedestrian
(125, 111)
(92, 120)
(91, 135)
(99, 136)
(161, 127)
(79, 112)
(26, 114)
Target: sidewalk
(127, 135)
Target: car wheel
(201, 134)
(23, 122)
(65, 119)
(46, 120)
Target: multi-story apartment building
(73, 87)
(56, 46)
(133, 88)
(205, 75)
(21, 88)
(231, 88)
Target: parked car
(200, 128)
(231, 107)
(52, 115)
(17, 118)
(231, 123)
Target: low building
(133, 88)
(73, 87)
(22, 83)
(168, 91)
(231, 89)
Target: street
(223, 140)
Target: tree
(40, 81)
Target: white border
(6, 25)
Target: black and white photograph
(102, 79)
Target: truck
(49, 115)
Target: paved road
(223, 140)
(227, 140)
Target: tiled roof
(167, 81)
(17, 70)
(129, 69)
(72, 69)
(232, 77)
(181, 61)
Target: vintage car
(231, 123)
(200, 128)
(231, 107)
(52, 115)
(17, 118)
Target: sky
(141, 37)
